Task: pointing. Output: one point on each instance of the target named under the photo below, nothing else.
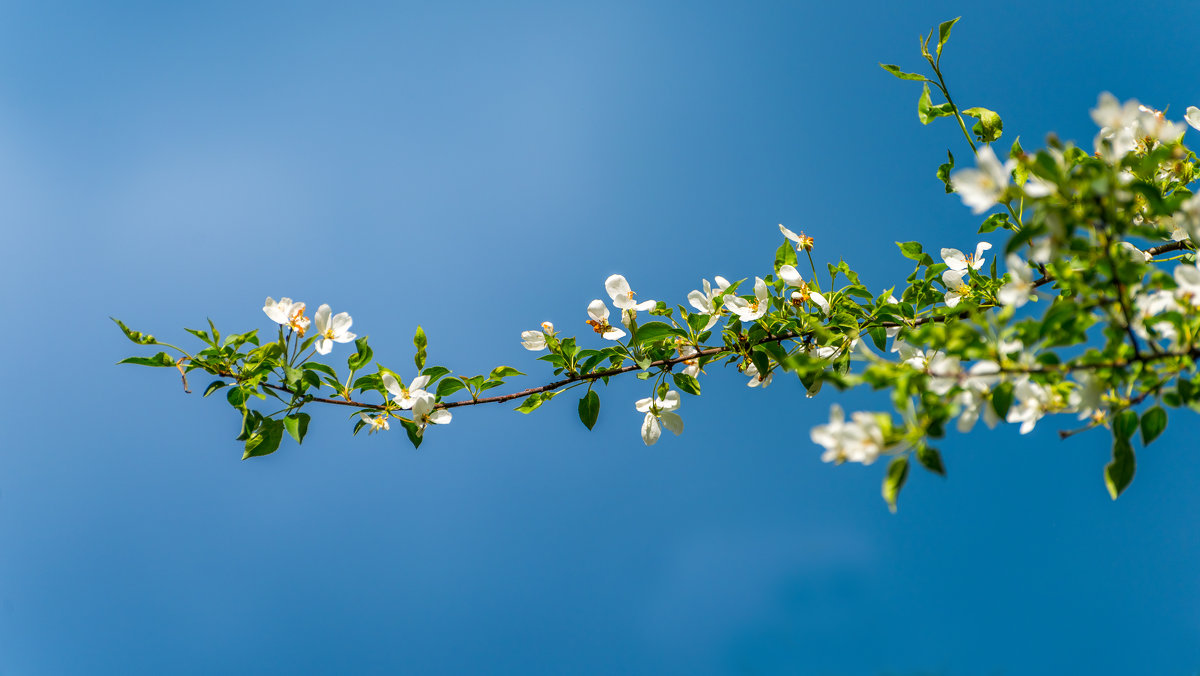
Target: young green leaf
(589, 409)
(893, 481)
(161, 359)
(686, 383)
(136, 336)
(944, 34)
(989, 127)
(931, 459)
(265, 440)
(1125, 424)
(361, 358)
(895, 70)
(943, 172)
(530, 404)
(1118, 474)
(1154, 421)
(297, 425)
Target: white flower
(791, 277)
(1016, 292)
(802, 241)
(1130, 127)
(982, 187)
(974, 396)
(688, 352)
(287, 313)
(959, 264)
(1033, 401)
(1188, 278)
(944, 372)
(622, 296)
(749, 311)
(536, 340)
(1087, 397)
(756, 379)
(1135, 253)
(425, 414)
(1193, 117)
(703, 300)
(406, 396)
(659, 409)
(1038, 187)
(599, 321)
(330, 330)
(377, 423)
(857, 441)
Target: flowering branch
(957, 341)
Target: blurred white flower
(982, 187)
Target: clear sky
(477, 169)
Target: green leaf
(1125, 424)
(989, 127)
(1118, 474)
(995, 221)
(943, 172)
(237, 397)
(265, 439)
(927, 112)
(414, 433)
(297, 426)
(652, 331)
(911, 250)
(895, 70)
(436, 372)
(419, 342)
(291, 377)
(1154, 421)
(785, 255)
(589, 409)
(1002, 398)
(160, 360)
(214, 386)
(686, 383)
(504, 372)
(323, 368)
(449, 386)
(931, 459)
(879, 337)
(530, 403)
(136, 336)
(361, 358)
(893, 481)
(944, 34)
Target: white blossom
(287, 313)
(750, 310)
(858, 441)
(598, 312)
(424, 413)
(406, 397)
(330, 330)
(703, 301)
(1016, 292)
(1033, 401)
(377, 423)
(657, 410)
(982, 187)
(959, 264)
(791, 277)
(1193, 117)
(756, 378)
(535, 341)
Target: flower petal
(673, 422)
(650, 430)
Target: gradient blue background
(477, 169)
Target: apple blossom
(406, 397)
(982, 187)
(598, 312)
(657, 410)
(331, 330)
(750, 310)
(287, 313)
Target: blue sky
(477, 169)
